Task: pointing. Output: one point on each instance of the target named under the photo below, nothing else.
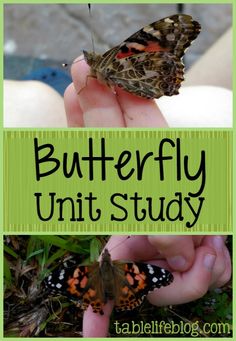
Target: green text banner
(117, 181)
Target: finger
(98, 103)
(197, 240)
(135, 248)
(74, 113)
(190, 285)
(32, 103)
(178, 250)
(222, 268)
(226, 276)
(96, 325)
(139, 112)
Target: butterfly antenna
(91, 27)
(65, 65)
(180, 8)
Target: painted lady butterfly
(149, 63)
(125, 283)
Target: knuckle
(196, 291)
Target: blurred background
(37, 36)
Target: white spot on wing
(148, 29)
(169, 21)
(156, 33)
(61, 276)
(150, 269)
(170, 37)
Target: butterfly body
(149, 63)
(126, 283)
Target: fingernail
(218, 242)
(177, 262)
(209, 261)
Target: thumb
(96, 325)
(177, 250)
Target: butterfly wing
(85, 284)
(148, 63)
(173, 34)
(140, 279)
(80, 284)
(149, 75)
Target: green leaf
(62, 243)
(8, 250)
(7, 273)
(58, 254)
(34, 247)
(95, 247)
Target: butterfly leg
(112, 87)
(86, 83)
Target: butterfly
(149, 63)
(127, 283)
